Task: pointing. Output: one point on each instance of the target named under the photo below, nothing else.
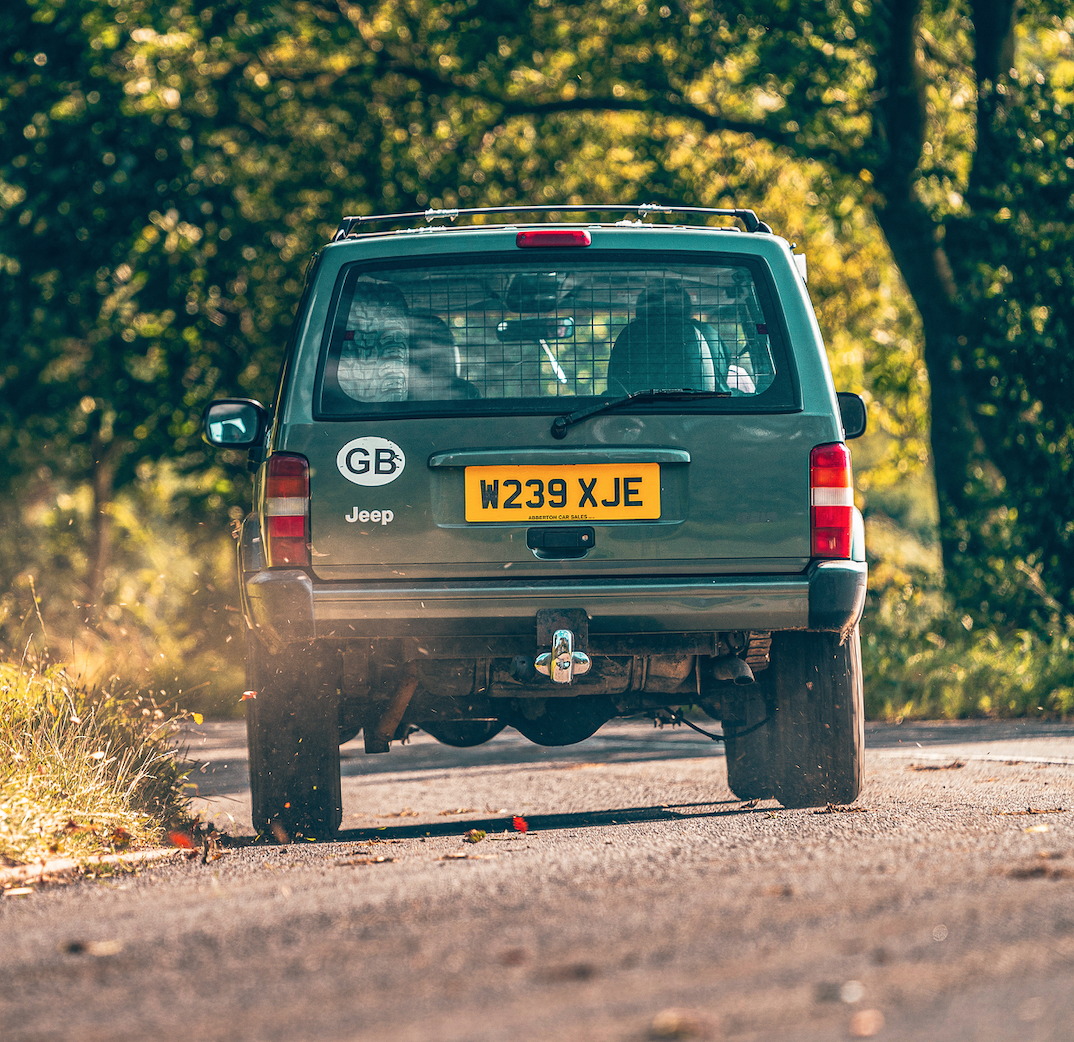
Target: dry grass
(83, 770)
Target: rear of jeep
(547, 475)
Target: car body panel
(740, 504)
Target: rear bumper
(286, 605)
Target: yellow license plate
(528, 495)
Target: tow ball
(563, 663)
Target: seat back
(374, 361)
(660, 351)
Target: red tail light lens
(831, 501)
(287, 511)
(553, 237)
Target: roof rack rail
(349, 225)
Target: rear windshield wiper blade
(561, 423)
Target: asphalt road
(643, 902)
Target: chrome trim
(563, 663)
(556, 456)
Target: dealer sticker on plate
(528, 495)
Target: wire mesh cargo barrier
(510, 332)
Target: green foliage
(1017, 247)
(165, 171)
(171, 623)
(82, 770)
(947, 124)
(928, 676)
(924, 659)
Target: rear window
(513, 334)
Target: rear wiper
(561, 423)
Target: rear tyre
(811, 751)
(464, 734)
(292, 733)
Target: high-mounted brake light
(287, 510)
(553, 237)
(831, 501)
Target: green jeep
(546, 475)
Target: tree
(165, 171)
(949, 124)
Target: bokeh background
(167, 170)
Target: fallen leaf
(571, 971)
(197, 718)
(73, 826)
(1039, 871)
(474, 835)
(866, 1023)
(780, 890)
(748, 805)
(458, 810)
(406, 812)
(833, 808)
(247, 695)
(1033, 810)
(679, 1023)
(210, 849)
(520, 824)
(97, 948)
(954, 765)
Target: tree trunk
(966, 475)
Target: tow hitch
(563, 663)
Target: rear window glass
(523, 333)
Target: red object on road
(519, 823)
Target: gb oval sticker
(370, 461)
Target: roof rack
(349, 225)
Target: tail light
(553, 237)
(831, 501)
(287, 510)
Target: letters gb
(370, 461)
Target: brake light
(287, 510)
(831, 501)
(552, 237)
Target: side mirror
(234, 423)
(853, 414)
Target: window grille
(499, 332)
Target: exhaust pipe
(731, 667)
(378, 740)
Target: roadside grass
(84, 770)
(926, 675)
(923, 661)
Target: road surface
(644, 902)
